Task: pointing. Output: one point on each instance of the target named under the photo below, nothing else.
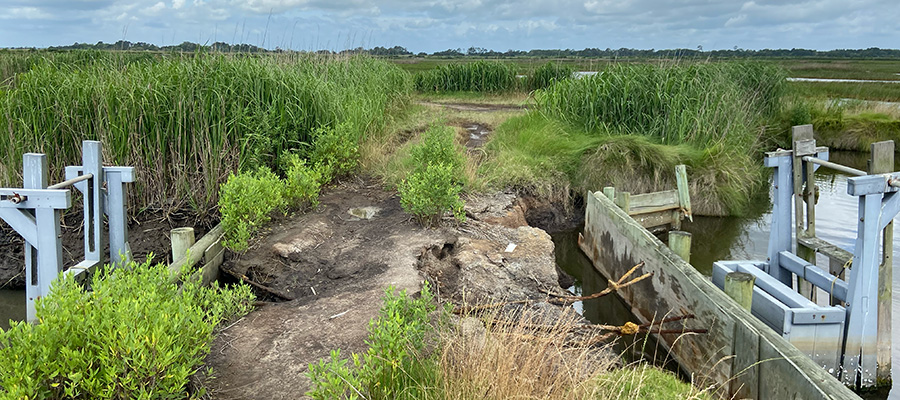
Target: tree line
(479, 52)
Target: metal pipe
(836, 167)
(71, 182)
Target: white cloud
(25, 13)
(154, 9)
(176, 4)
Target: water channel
(744, 238)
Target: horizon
(436, 25)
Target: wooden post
(610, 193)
(882, 161)
(804, 144)
(739, 286)
(182, 240)
(684, 195)
(623, 200)
(680, 243)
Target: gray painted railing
(34, 213)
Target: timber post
(881, 162)
(680, 244)
(739, 286)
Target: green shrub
(433, 187)
(302, 182)
(134, 335)
(336, 150)
(245, 202)
(395, 365)
(430, 193)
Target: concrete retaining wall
(739, 355)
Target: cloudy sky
(433, 25)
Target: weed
(433, 187)
(246, 200)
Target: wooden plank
(666, 198)
(829, 250)
(651, 220)
(746, 363)
(882, 162)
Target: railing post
(119, 250)
(860, 348)
(43, 260)
(780, 234)
(882, 162)
(804, 144)
(92, 163)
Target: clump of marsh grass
(478, 76)
(187, 121)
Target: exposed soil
(477, 107)
(334, 265)
(148, 233)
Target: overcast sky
(433, 25)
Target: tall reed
(478, 76)
(186, 121)
(700, 104)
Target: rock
(500, 208)
(478, 270)
(364, 212)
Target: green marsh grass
(186, 121)
(629, 125)
(478, 76)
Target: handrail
(70, 182)
(835, 166)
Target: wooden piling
(623, 200)
(610, 193)
(680, 243)
(182, 240)
(739, 286)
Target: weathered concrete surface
(739, 354)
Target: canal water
(744, 238)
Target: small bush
(245, 202)
(432, 189)
(431, 192)
(335, 150)
(302, 182)
(134, 336)
(394, 366)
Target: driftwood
(612, 287)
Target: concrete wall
(739, 355)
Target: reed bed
(478, 76)
(699, 104)
(186, 121)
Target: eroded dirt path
(335, 263)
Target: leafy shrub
(302, 182)
(431, 192)
(433, 187)
(245, 202)
(395, 366)
(134, 336)
(335, 150)
(548, 74)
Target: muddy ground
(324, 273)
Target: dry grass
(531, 356)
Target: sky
(435, 25)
